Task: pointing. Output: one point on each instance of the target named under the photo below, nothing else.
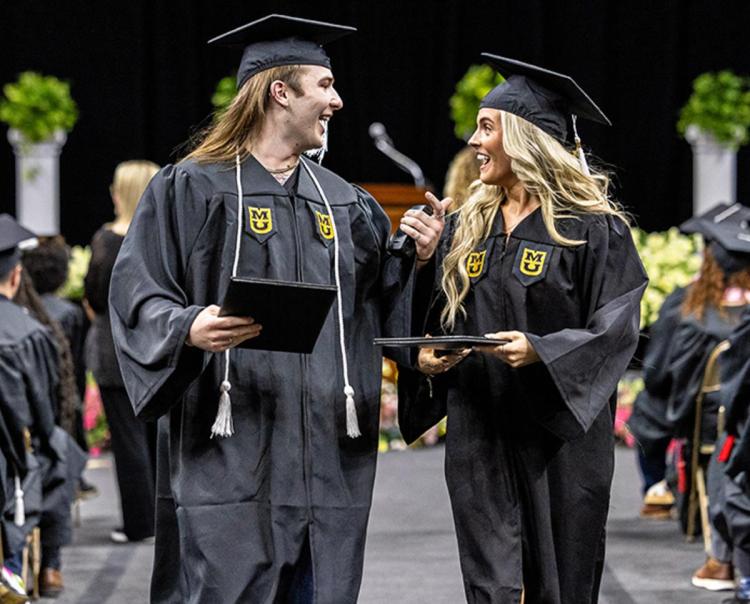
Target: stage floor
(411, 552)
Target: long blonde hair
(547, 171)
(243, 119)
(128, 184)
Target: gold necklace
(282, 170)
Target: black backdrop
(143, 76)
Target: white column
(38, 182)
(714, 171)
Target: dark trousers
(653, 467)
(134, 449)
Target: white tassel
(19, 516)
(223, 425)
(582, 158)
(352, 423)
(579, 149)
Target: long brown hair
(67, 390)
(708, 289)
(242, 120)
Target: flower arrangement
(470, 90)
(78, 266)
(671, 260)
(38, 106)
(720, 107)
(94, 419)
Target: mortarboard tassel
(19, 514)
(352, 423)
(223, 425)
(579, 149)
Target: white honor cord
(223, 424)
(352, 424)
(579, 148)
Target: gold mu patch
(532, 262)
(260, 220)
(325, 224)
(475, 263)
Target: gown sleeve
(734, 367)
(397, 277)
(150, 311)
(586, 363)
(28, 391)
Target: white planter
(714, 171)
(38, 182)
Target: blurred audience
(133, 441)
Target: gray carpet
(411, 552)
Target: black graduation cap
(12, 238)
(726, 229)
(278, 40)
(545, 98)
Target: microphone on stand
(384, 144)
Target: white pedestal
(38, 182)
(714, 171)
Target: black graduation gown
(734, 365)
(71, 318)
(648, 422)
(28, 400)
(529, 451)
(245, 504)
(693, 342)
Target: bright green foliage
(720, 106)
(671, 260)
(224, 94)
(78, 266)
(470, 90)
(37, 106)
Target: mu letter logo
(532, 262)
(325, 225)
(475, 263)
(261, 220)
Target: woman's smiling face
(487, 141)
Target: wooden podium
(395, 198)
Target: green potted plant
(38, 107)
(39, 112)
(470, 90)
(715, 121)
(226, 90)
(719, 107)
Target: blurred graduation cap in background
(277, 40)
(726, 229)
(13, 240)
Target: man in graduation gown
(271, 503)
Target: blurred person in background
(463, 171)
(711, 310)
(133, 441)
(47, 265)
(30, 402)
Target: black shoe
(86, 490)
